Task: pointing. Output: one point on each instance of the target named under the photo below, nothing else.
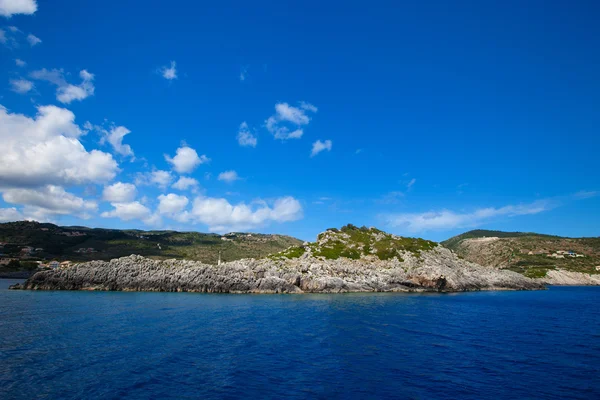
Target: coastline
(434, 271)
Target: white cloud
(3, 38)
(169, 73)
(172, 204)
(46, 150)
(157, 177)
(33, 40)
(66, 92)
(119, 192)
(21, 86)
(308, 107)
(185, 183)
(129, 211)
(245, 137)
(411, 183)
(115, 138)
(186, 160)
(445, 219)
(319, 146)
(8, 8)
(228, 176)
(243, 74)
(161, 178)
(19, 62)
(10, 214)
(221, 216)
(49, 200)
(287, 116)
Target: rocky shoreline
(437, 270)
(570, 278)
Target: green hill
(78, 243)
(353, 242)
(531, 254)
(481, 233)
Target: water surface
(494, 345)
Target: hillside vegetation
(84, 244)
(354, 243)
(530, 254)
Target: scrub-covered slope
(539, 256)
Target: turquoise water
(489, 345)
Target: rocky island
(351, 259)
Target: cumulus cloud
(33, 40)
(186, 160)
(129, 211)
(115, 137)
(67, 92)
(446, 220)
(46, 150)
(221, 216)
(20, 63)
(185, 183)
(21, 86)
(10, 214)
(172, 204)
(49, 200)
(157, 177)
(119, 192)
(8, 8)
(319, 146)
(228, 176)
(169, 73)
(287, 121)
(245, 137)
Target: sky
(424, 119)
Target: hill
(355, 243)
(349, 259)
(35, 241)
(531, 254)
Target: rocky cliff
(350, 260)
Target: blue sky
(424, 119)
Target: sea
(479, 345)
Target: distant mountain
(32, 240)
(531, 254)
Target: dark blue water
(493, 345)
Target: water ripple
(72, 345)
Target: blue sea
(488, 345)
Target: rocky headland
(348, 260)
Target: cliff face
(434, 270)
